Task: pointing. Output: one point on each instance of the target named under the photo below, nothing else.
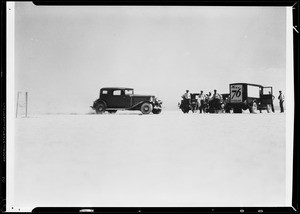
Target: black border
(295, 190)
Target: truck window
(253, 91)
(267, 91)
(104, 92)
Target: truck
(243, 96)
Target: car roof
(246, 84)
(116, 88)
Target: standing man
(186, 102)
(216, 95)
(208, 99)
(186, 95)
(216, 102)
(281, 100)
(201, 102)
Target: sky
(65, 54)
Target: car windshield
(128, 92)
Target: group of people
(215, 101)
(204, 101)
(281, 101)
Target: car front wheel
(146, 108)
(156, 111)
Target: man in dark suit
(281, 100)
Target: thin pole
(26, 102)
(17, 104)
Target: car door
(267, 95)
(128, 98)
(117, 99)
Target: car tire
(156, 111)
(251, 109)
(237, 110)
(185, 109)
(146, 108)
(100, 109)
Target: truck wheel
(146, 108)
(156, 111)
(251, 109)
(100, 108)
(237, 110)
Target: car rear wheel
(100, 108)
(156, 111)
(146, 108)
(251, 110)
(185, 111)
(237, 110)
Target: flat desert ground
(170, 159)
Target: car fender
(97, 102)
(138, 105)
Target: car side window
(117, 92)
(267, 91)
